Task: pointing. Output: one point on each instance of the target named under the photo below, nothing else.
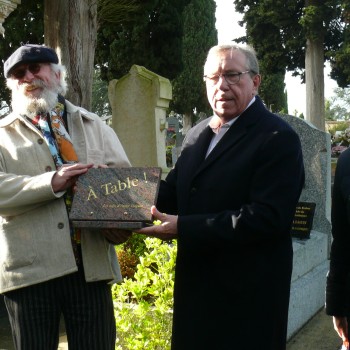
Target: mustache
(37, 83)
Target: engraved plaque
(303, 218)
(115, 197)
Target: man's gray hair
(59, 68)
(247, 51)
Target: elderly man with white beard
(48, 268)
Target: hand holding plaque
(115, 235)
(166, 229)
(115, 198)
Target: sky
(228, 29)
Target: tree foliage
(24, 25)
(339, 58)
(278, 31)
(152, 39)
(295, 22)
(338, 106)
(112, 11)
(199, 35)
(99, 102)
(149, 33)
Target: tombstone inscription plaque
(115, 197)
(303, 218)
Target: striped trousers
(87, 309)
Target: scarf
(54, 131)
(56, 136)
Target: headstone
(6, 7)
(173, 127)
(311, 262)
(139, 101)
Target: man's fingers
(72, 170)
(67, 175)
(158, 215)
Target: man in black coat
(230, 201)
(338, 278)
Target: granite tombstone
(312, 221)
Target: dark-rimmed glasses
(231, 78)
(20, 72)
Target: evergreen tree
(152, 38)
(199, 36)
(266, 30)
(58, 34)
(339, 57)
(279, 31)
(24, 25)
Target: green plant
(128, 262)
(341, 126)
(169, 155)
(143, 304)
(129, 253)
(136, 243)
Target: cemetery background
(140, 99)
(158, 123)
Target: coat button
(60, 225)
(40, 141)
(48, 168)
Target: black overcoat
(338, 279)
(235, 208)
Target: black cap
(29, 53)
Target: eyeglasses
(231, 78)
(20, 72)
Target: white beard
(31, 106)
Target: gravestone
(174, 137)
(311, 263)
(172, 129)
(139, 101)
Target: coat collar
(72, 110)
(235, 133)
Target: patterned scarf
(56, 136)
(59, 141)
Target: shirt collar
(215, 122)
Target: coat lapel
(198, 147)
(236, 132)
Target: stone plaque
(303, 218)
(115, 197)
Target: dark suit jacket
(235, 212)
(338, 279)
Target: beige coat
(35, 243)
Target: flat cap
(29, 53)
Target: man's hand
(116, 235)
(341, 326)
(67, 175)
(167, 228)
